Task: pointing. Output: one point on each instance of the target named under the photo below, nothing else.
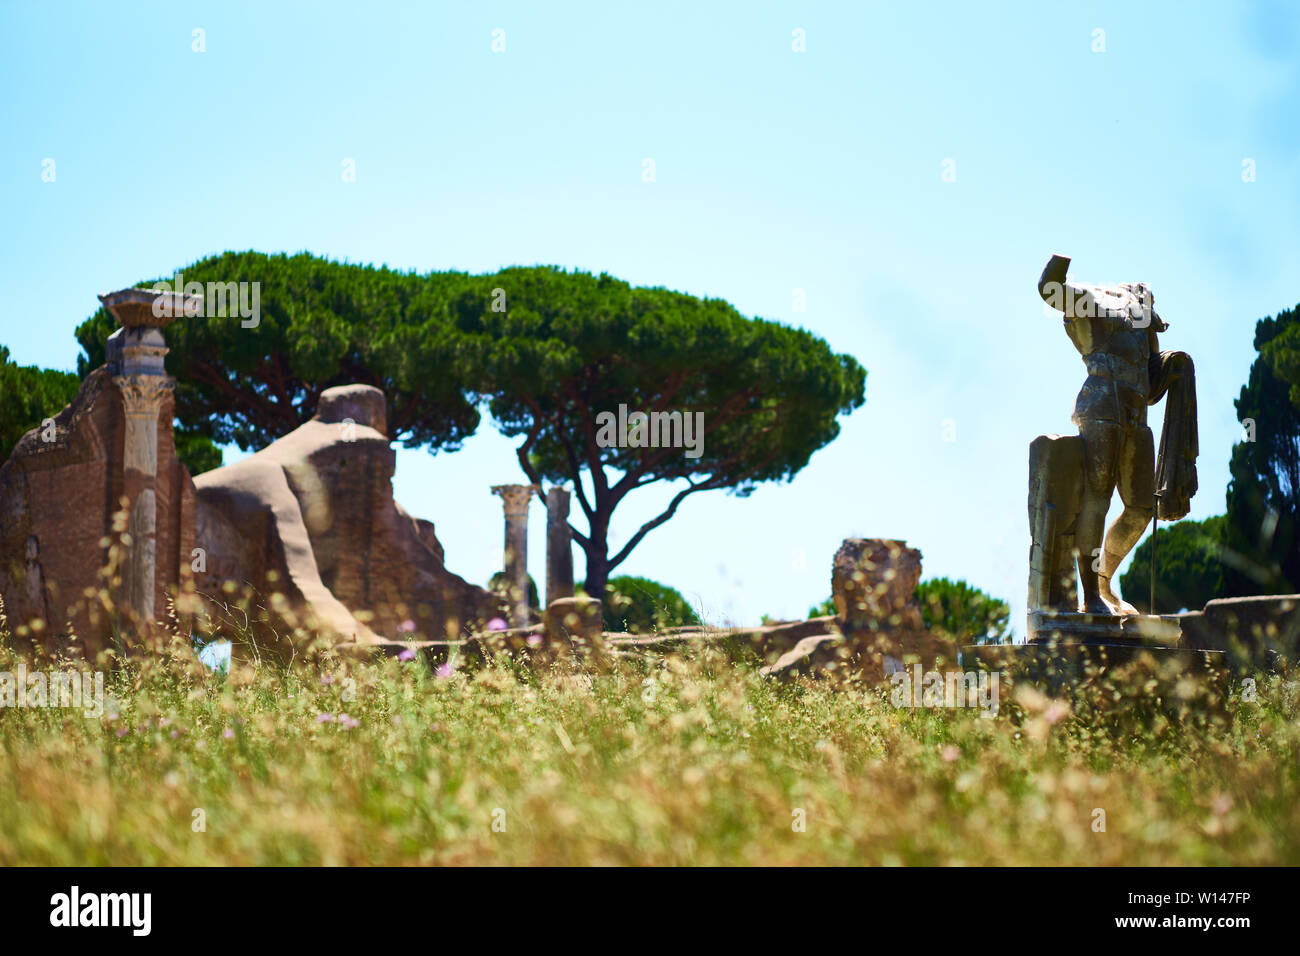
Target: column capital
(143, 394)
(142, 398)
(516, 498)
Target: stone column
(516, 499)
(137, 353)
(559, 546)
(142, 397)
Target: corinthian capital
(516, 498)
(143, 394)
(142, 397)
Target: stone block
(574, 626)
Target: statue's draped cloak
(1173, 373)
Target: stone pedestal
(1049, 624)
(575, 626)
(1057, 664)
(559, 547)
(516, 499)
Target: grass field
(687, 760)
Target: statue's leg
(1102, 442)
(1136, 481)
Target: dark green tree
(965, 612)
(825, 609)
(548, 350)
(642, 606)
(28, 396)
(196, 451)
(1189, 567)
(320, 324)
(1283, 355)
(559, 349)
(1263, 534)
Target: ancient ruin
(877, 624)
(103, 526)
(312, 517)
(100, 485)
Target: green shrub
(641, 606)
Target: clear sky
(776, 171)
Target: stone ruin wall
(57, 503)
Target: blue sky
(776, 171)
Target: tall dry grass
(686, 759)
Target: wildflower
(327, 679)
(123, 731)
(406, 655)
(227, 734)
(497, 624)
(406, 626)
(949, 753)
(1055, 711)
(348, 722)
(534, 640)
(445, 670)
(324, 718)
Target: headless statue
(1115, 328)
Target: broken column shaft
(559, 546)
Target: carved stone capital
(516, 498)
(143, 394)
(142, 398)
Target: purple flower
(227, 734)
(324, 718)
(445, 670)
(327, 679)
(406, 655)
(406, 626)
(534, 640)
(123, 731)
(497, 624)
(348, 722)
